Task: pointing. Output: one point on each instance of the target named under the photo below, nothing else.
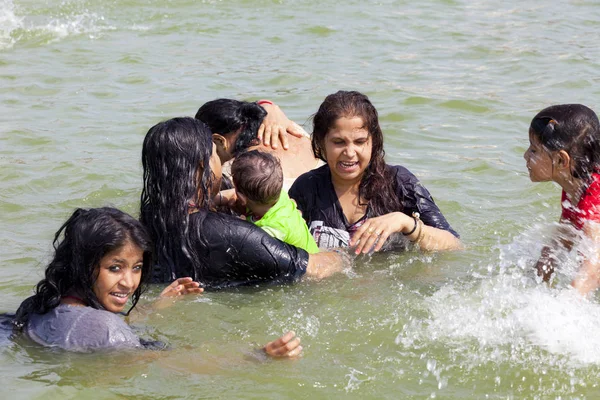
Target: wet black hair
(377, 184)
(79, 245)
(227, 116)
(177, 178)
(573, 128)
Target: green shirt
(283, 221)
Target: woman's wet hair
(258, 176)
(227, 116)
(177, 178)
(376, 187)
(79, 245)
(573, 128)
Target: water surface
(456, 84)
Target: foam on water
(9, 22)
(509, 316)
(15, 28)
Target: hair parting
(375, 185)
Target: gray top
(77, 328)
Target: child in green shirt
(258, 180)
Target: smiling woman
(101, 257)
(102, 260)
(357, 199)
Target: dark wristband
(415, 216)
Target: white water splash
(508, 316)
(15, 27)
(9, 22)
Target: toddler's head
(574, 129)
(258, 180)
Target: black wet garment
(233, 252)
(316, 198)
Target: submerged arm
(326, 263)
(547, 261)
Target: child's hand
(225, 197)
(228, 198)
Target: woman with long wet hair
(102, 260)
(356, 199)
(182, 173)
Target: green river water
(456, 83)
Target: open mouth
(348, 165)
(120, 297)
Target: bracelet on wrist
(421, 234)
(416, 216)
(261, 102)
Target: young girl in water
(102, 260)
(565, 148)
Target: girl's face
(119, 275)
(348, 147)
(538, 161)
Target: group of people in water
(241, 195)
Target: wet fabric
(316, 198)
(77, 328)
(233, 252)
(588, 207)
(284, 222)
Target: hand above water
(375, 231)
(182, 286)
(228, 198)
(276, 126)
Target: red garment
(588, 208)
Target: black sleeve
(415, 197)
(296, 193)
(239, 253)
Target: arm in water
(326, 263)
(562, 240)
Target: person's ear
(222, 147)
(219, 141)
(563, 160)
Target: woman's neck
(72, 299)
(344, 186)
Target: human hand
(181, 287)
(375, 231)
(287, 346)
(225, 198)
(276, 126)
